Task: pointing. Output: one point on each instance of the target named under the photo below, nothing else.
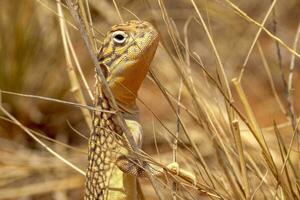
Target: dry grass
(221, 98)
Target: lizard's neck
(125, 81)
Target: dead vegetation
(221, 98)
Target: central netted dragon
(124, 57)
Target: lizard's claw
(130, 166)
(173, 167)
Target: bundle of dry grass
(221, 98)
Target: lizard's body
(125, 56)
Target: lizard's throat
(125, 83)
(126, 78)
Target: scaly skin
(125, 57)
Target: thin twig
(39, 141)
(249, 19)
(290, 88)
(255, 39)
(75, 86)
(239, 146)
(267, 68)
(77, 105)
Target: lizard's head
(126, 54)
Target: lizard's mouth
(152, 37)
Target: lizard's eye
(119, 37)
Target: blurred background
(33, 62)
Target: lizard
(124, 57)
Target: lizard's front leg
(132, 167)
